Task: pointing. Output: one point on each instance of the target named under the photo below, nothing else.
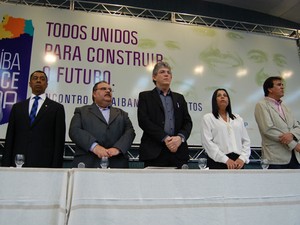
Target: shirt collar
(102, 109)
(160, 92)
(42, 96)
(274, 100)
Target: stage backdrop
(121, 50)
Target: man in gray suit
(100, 130)
(279, 131)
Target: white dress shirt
(220, 138)
(41, 101)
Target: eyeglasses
(104, 89)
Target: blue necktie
(34, 109)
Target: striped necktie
(34, 109)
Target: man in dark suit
(42, 139)
(165, 121)
(100, 130)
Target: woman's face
(222, 99)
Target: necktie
(279, 108)
(34, 109)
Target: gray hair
(158, 66)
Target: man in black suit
(42, 139)
(164, 118)
(101, 130)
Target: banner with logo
(77, 49)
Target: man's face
(277, 91)
(163, 77)
(38, 83)
(103, 95)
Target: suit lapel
(283, 108)
(26, 107)
(96, 111)
(157, 99)
(44, 108)
(286, 114)
(176, 103)
(113, 114)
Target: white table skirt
(33, 196)
(171, 197)
(149, 197)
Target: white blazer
(220, 138)
(271, 125)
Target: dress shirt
(169, 112)
(277, 105)
(106, 113)
(220, 138)
(40, 102)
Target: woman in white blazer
(224, 136)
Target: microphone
(185, 167)
(81, 165)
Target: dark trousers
(293, 164)
(165, 159)
(217, 165)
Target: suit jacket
(43, 142)
(271, 126)
(89, 126)
(151, 119)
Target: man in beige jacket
(280, 132)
